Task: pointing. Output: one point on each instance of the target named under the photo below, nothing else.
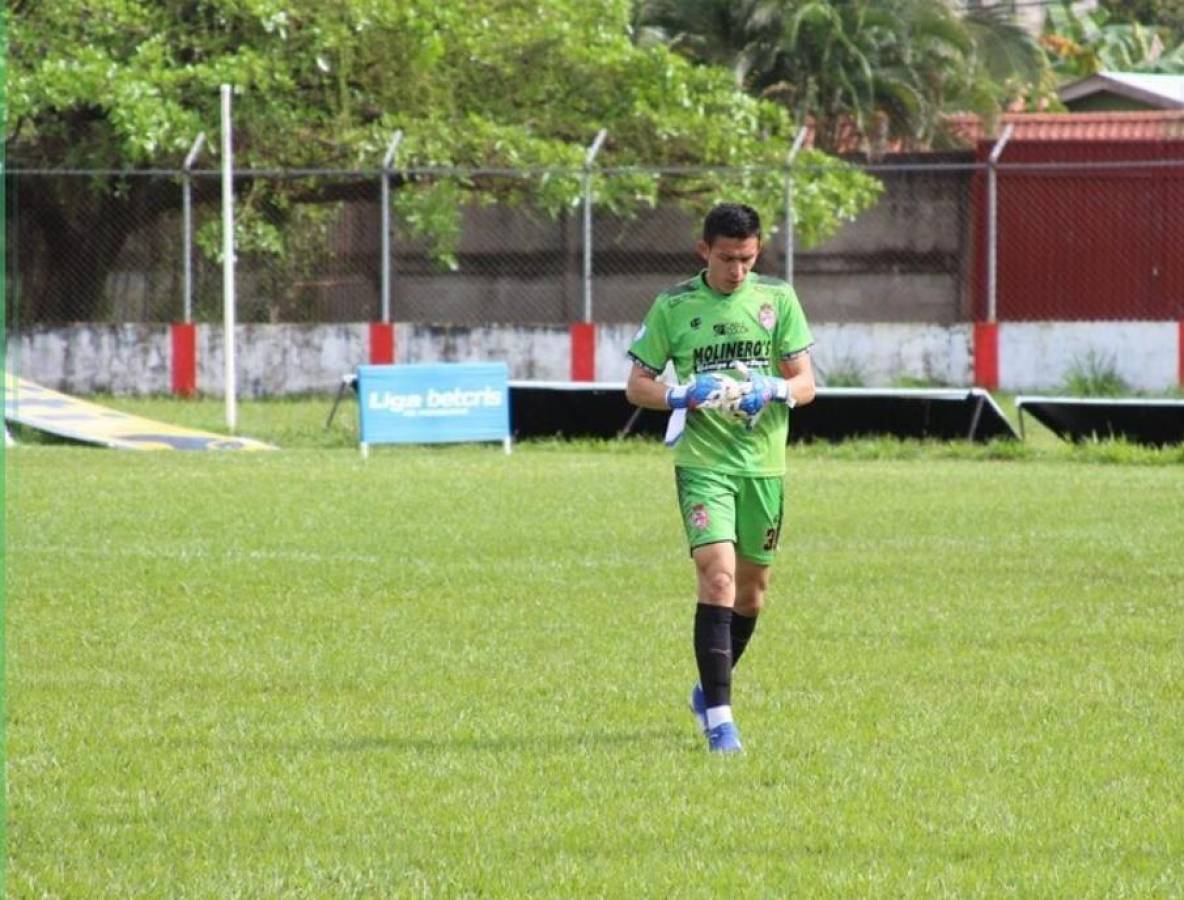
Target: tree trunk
(68, 234)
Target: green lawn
(448, 672)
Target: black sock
(713, 653)
(742, 628)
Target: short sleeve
(795, 337)
(650, 347)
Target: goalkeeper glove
(703, 390)
(765, 390)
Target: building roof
(1161, 91)
(1149, 125)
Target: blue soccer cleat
(724, 738)
(699, 708)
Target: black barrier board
(1153, 422)
(599, 409)
(579, 409)
(837, 414)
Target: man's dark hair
(731, 220)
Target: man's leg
(759, 510)
(752, 584)
(707, 501)
(715, 566)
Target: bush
(1095, 375)
(847, 372)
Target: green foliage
(492, 83)
(1166, 17)
(915, 381)
(1079, 44)
(283, 238)
(1095, 374)
(865, 73)
(847, 371)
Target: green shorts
(746, 511)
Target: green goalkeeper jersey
(700, 330)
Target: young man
(726, 323)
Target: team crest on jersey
(699, 517)
(767, 317)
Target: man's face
(729, 260)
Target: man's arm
(799, 374)
(702, 392)
(643, 389)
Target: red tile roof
(1152, 125)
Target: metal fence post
(993, 221)
(228, 297)
(187, 224)
(589, 158)
(789, 216)
(387, 162)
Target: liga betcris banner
(434, 403)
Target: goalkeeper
(739, 344)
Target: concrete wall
(275, 360)
(538, 353)
(903, 260)
(87, 359)
(885, 353)
(1041, 355)
(876, 354)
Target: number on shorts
(771, 535)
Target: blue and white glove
(758, 391)
(702, 391)
(765, 390)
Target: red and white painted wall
(1019, 356)
(275, 360)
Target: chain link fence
(1084, 241)
(1070, 241)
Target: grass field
(448, 672)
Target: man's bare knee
(717, 585)
(752, 585)
(750, 603)
(719, 582)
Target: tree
(740, 35)
(1164, 16)
(1082, 44)
(883, 71)
(493, 83)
